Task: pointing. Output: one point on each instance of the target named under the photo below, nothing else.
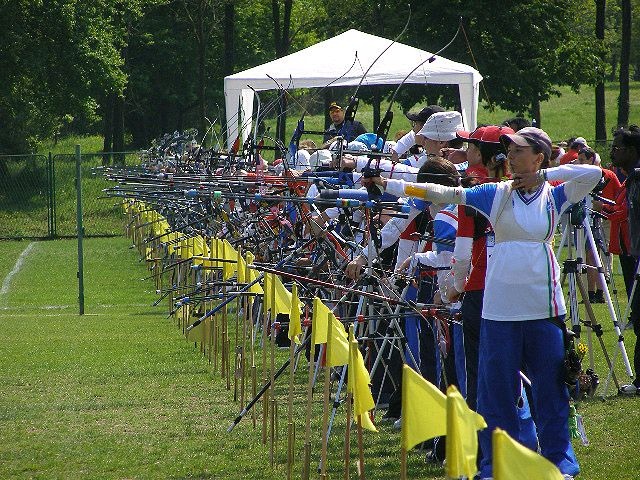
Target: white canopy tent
(322, 63)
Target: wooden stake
(403, 464)
(347, 440)
(360, 449)
(325, 422)
(272, 380)
(306, 464)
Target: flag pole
(347, 439)
(325, 420)
(307, 432)
(290, 425)
(360, 449)
(403, 463)
(265, 401)
(272, 396)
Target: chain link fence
(25, 196)
(100, 216)
(38, 195)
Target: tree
(625, 56)
(601, 121)
(53, 71)
(203, 19)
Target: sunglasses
(615, 148)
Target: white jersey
(523, 275)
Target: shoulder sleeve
(465, 223)
(579, 180)
(405, 143)
(613, 185)
(481, 197)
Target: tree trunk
(625, 54)
(281, 125)
(614, 68)
(376, 107)
(535, 113)
(118, 128)
(281, 42)
(601, 121)
(328, 98)
(202, 67)
(229, 51)
(107, 127)
(275, 15)
(229, 32)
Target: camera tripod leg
(593, 324)
(609, 303)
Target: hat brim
(466, 137)
(415, 117)
(514, 138)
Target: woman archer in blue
(523, 300)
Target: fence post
(80, 230)
(54, 201)
(50, 195)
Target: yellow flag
(319, 322)
(196, 334)
(229, 253)
(253, 275)
(512, 461)
(424, 409)
(207, 253)
(358, 381)
(185, 251)
(198, 249)
(462, 435)
(280, 302)
(242, 267)
(337, 344)
(294, 315)
(266, 287)
(215, 252)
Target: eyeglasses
(615, 148)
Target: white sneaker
(397, 425)
(629, 389)
(566, 476)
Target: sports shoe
(629, 389)
(397, 425)
(566, 476)
(388, 419)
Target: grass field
(118, 393)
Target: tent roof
(342, 61)
(355, 51)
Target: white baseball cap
(442, 126)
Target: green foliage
(118, 393)
(56, 76)
(50, 70)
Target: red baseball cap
(473, 137)
(492, 133)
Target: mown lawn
(119, 393)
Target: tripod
(579, 231)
